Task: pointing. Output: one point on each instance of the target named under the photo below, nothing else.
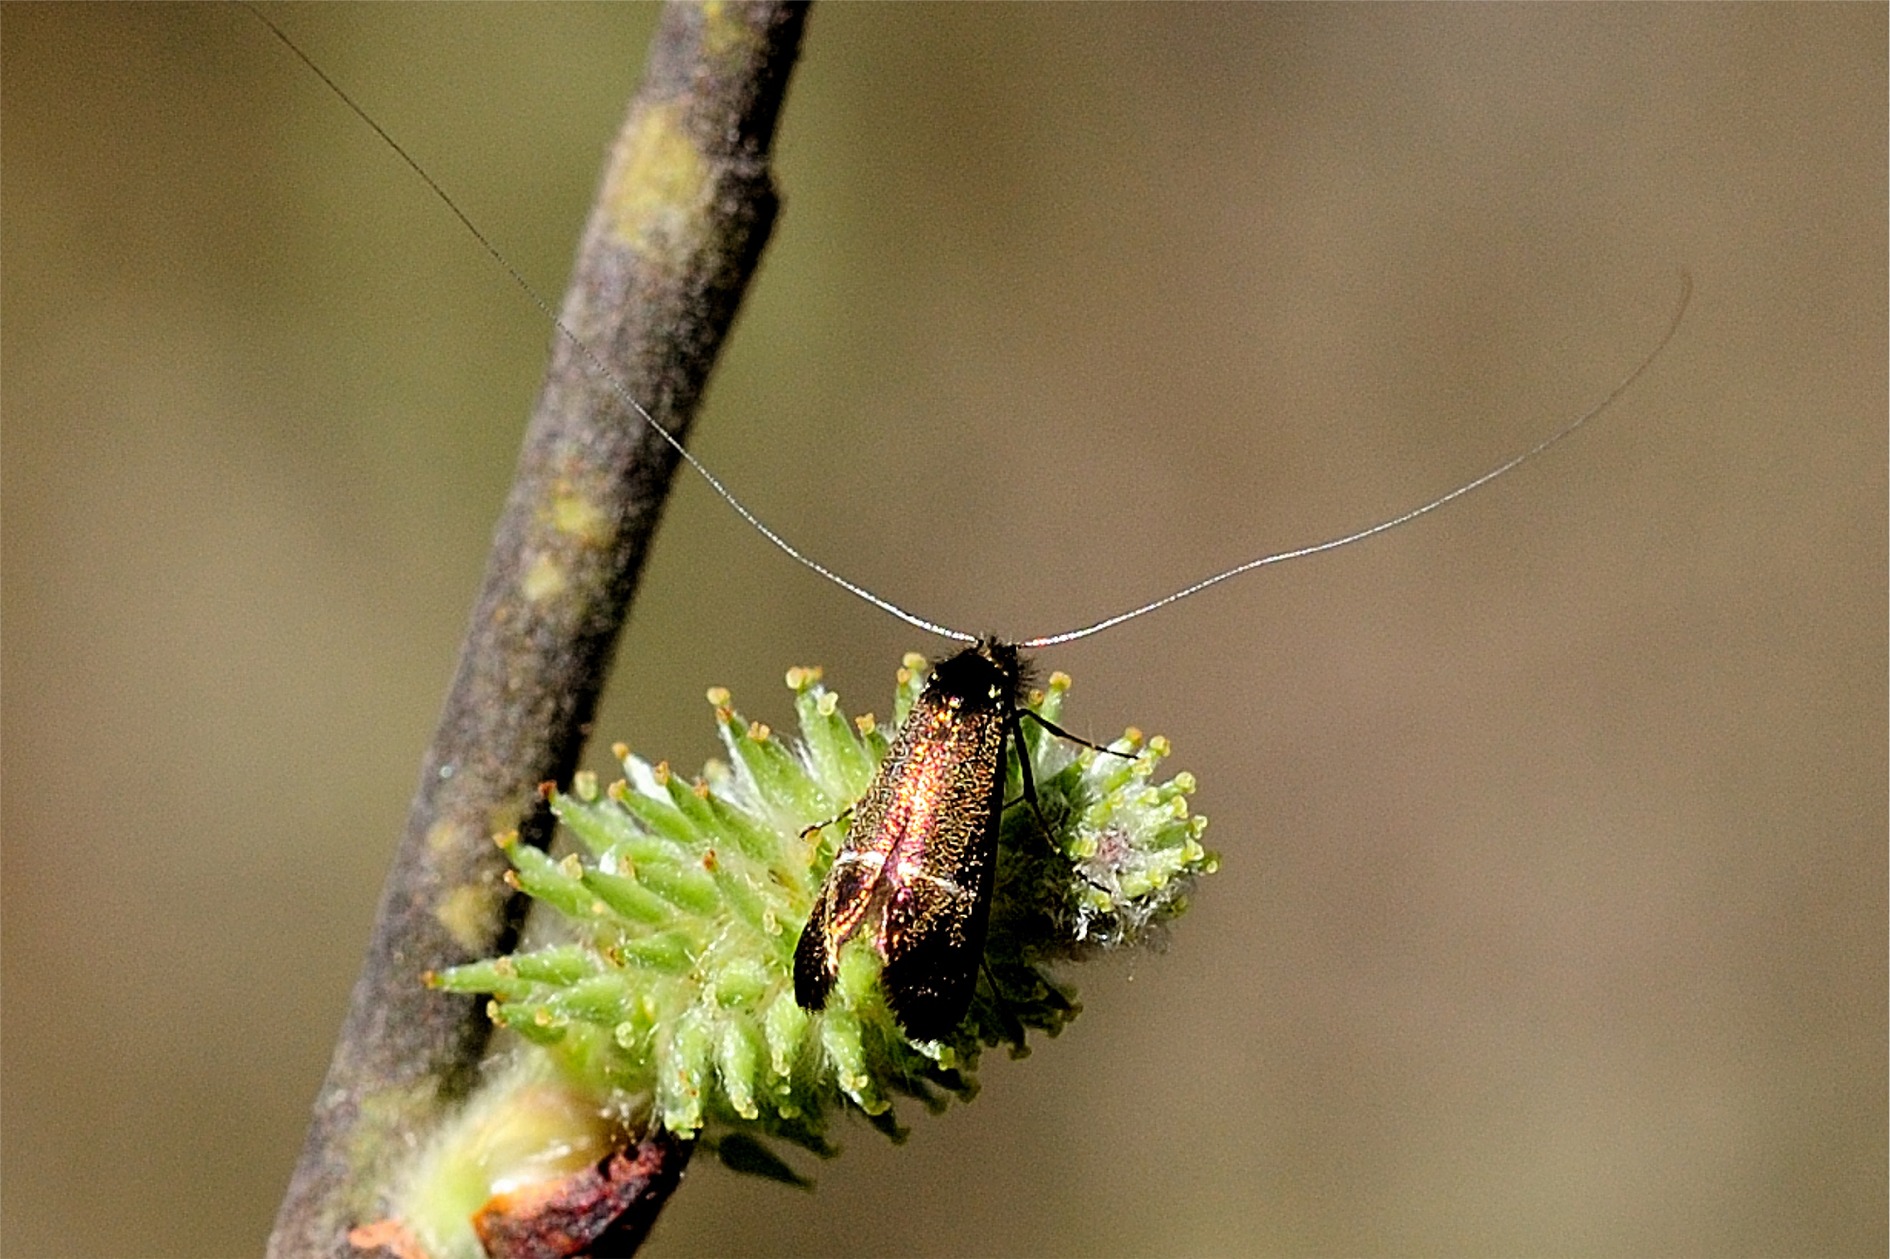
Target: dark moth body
(916, 870)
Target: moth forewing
(917, 867)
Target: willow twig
(678, 226)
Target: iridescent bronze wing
(917, 867)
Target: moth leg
(1030, 784)
(817, 827)
(1030, 788)
(1061, 733)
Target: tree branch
(677, 229)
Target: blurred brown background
(1552, 917)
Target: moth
(916, 872)
(917, 868)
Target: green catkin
(668, 994)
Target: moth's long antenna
(1384, 526)
(616, 386)
(597, 365)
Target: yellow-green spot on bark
(574, 514)
(466, 913)
(381, 1140)
(723, 32)
(544, 579)
(660, 185)
(442, 836)
(504, 818)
